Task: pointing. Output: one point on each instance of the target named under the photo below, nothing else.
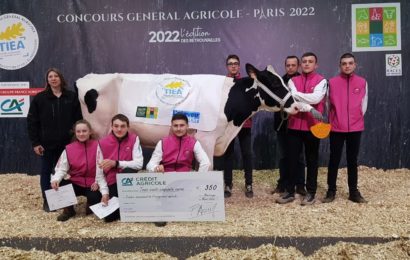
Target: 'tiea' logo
(126, 181)
(12, 106)
(18, 41)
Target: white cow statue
(102, 96)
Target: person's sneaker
(330, 196)
(286, 198)
(309, 199)
(356, 197)
(279, 190)
(228, 191)
(160, 224)
(249, 191)
(301, 190)
(66, 215)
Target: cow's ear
(271, 69)
(250, 69)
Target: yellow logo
(174, 85)
(12, 32)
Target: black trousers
(112, 189)
(337, 141)
(244, 137)
(284, 162)
(296, 141)
(93, 197)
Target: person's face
(291, 66)
(53, 79)
(347, 65)
(119, 128)
(233, 66)
(179, 127)
(309, 64)
(82, 132)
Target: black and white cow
(99, 94)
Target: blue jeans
(284, 164)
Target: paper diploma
(101, 211)
(61, 198)
(154, 197)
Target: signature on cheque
(198, 210)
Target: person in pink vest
(309, 89)
(76, 165)
(176, 152)
(348, 104)
(120, 151)
(244, 137)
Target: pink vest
(114, 149)
(81, 158)
(306, 84)
(178, 153)
(346, 96)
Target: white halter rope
(281, 101)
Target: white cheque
(61, 198)
(153, 197)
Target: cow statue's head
(262, 90)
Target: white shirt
(199, 154)
(305, 100)
(61, 169)
(136, 163)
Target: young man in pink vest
(348, 104)
(309, 90)
(244, 136)
(176, 152)
(119, 151)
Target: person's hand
(54, 185)
(94, 186)
(159, 168)
(316, 114)
(104, 200)
(39, 150)
(107, 164)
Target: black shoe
(249, 191)
(356, 197)
(330, 196)
(286, 198)
(278, 189)
(309, 199)
(160, 224)
(67, 214)
(228, 191)
(301, 190)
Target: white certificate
(154, 197)
(101, 211)
(61, 198)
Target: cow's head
(263, 90)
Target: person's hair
(307, 54)
(346, 55)
(60, 75)
(232, 56)
(122, 118)
(85, 122)
(292, 57)
(179, 116)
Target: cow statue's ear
(271, 69)
(250, 69)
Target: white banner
(156, 197)
(153, 99)
(14, 99)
